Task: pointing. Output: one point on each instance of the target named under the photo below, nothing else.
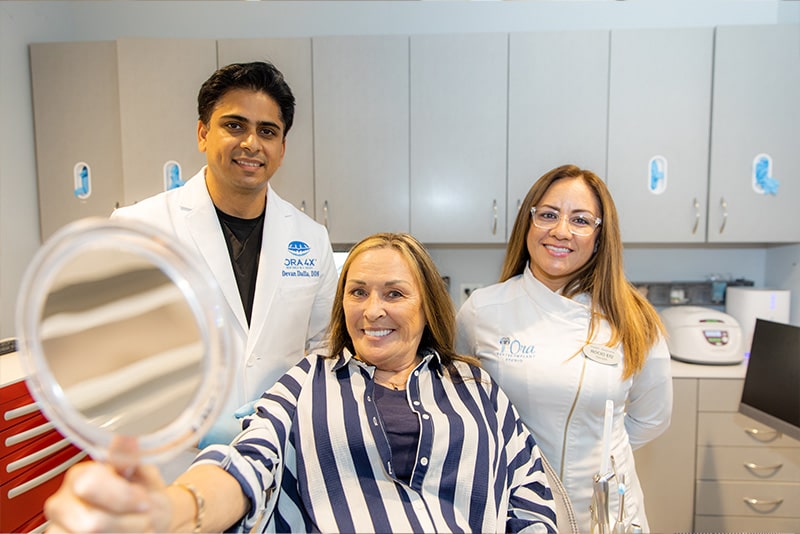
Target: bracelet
(199, 502)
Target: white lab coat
(290, 313)
(526, 335)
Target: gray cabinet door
(755, 144)
(459, 88)
(557, 107)
(361, 135)
(77, 131)
(158, 84)
(294, 180)
(668, 485)
(658, 132)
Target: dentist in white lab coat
(274, 264)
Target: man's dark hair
(258, 76)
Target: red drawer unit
(33, 455)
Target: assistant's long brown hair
(437, 306)
(632, 318)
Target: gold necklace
(393, 385)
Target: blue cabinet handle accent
(82, 180)
(657, 169)
(763, 181)
(172, 175)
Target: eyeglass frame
(597, 222)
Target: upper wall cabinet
(294, 180)
(555, 117)
(658, 132)
(115, 122)
(755, 143)
(458, 137)
(76, 116)
(361, 131)
(158, 84)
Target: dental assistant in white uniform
(563, 332)
(274, 264)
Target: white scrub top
(531, 341)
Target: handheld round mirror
(121, 332)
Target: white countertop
(696, 370)
(11, 368)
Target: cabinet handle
(768, 435)
(303, 206)
(47, 475)
(494, 222)
(757, 502)
(756, 467)
(325, 214)
(724, 206)
(696, 216)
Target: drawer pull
(756, 467)
(28, 434)
(19, 412)
(759, 502)
(44, 477)
(763, 435)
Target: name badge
(602, 354)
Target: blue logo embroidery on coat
(514, 350)
(298, 248)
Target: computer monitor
(771, 393)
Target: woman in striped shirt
(393, 433)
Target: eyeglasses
(581, 224)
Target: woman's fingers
(95, 497)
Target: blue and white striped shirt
(318, 437)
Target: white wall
(22, 23)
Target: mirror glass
(122, 333)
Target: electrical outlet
(467, 289)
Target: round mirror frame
(202, 295)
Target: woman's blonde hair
(437, 306)
(633, 320)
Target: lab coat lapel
(270, 264)
(203, 225)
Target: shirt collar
(429, 356)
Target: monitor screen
(771, 393)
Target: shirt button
(416, 403)
(369, 399)
(423, 461)
(426, 416)
(375, 421)
(416, 373)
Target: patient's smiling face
(383, 309)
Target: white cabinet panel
(658, 132)
(294, 180)
(755, 132)
(361, 132)
(458, 137)
(77, 130)
(158, 84)
(554, 116)
(668, 486)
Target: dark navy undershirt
(402, 429)
(243, 237)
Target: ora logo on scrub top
(513, 350)
(297, 264)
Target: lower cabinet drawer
(730, 429)
(749, 464)
(761, 499)
(711, 523)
